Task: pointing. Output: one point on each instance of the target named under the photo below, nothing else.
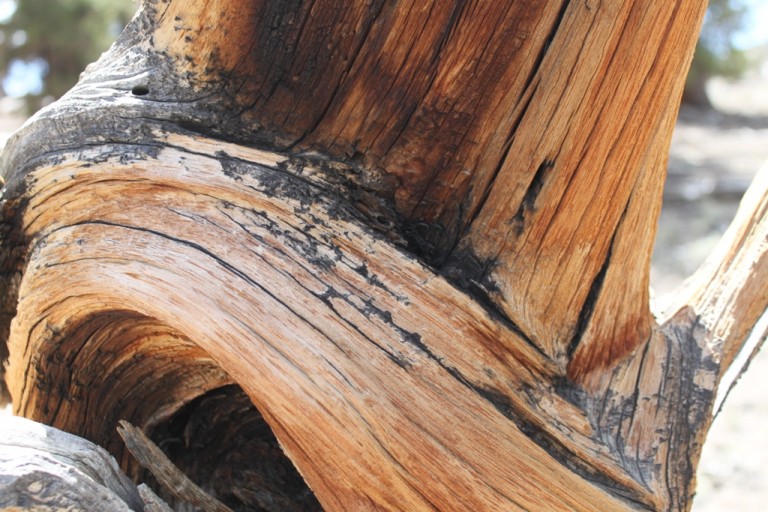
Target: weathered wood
(729, 291)
(418, 241)
(476, 131)
(42, 468)
(151, 457)
(201, 438)
(339, 291)
(152, 503)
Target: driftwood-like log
(45, 469)
(416, 235)
(42, 468)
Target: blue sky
(755, 31)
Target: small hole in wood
(384, 221)
(140, 90)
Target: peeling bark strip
(416, 235)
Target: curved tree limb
(433, 289)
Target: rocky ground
(714, 156)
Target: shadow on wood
(417, 237)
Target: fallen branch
(177, 483)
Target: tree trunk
(416, 235)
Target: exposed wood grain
(221, 441)
(42, 468)
(408, 93)
(153, 458)
(416, 235)
(728, 292)
(381, 323)
(152, 503)
(551, 226)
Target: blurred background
(720, 142)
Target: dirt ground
(714, 156)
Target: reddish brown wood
(416, 235)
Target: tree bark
(416, 235)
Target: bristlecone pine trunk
(409, 238)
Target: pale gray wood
(43, 467)
(152, 502)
